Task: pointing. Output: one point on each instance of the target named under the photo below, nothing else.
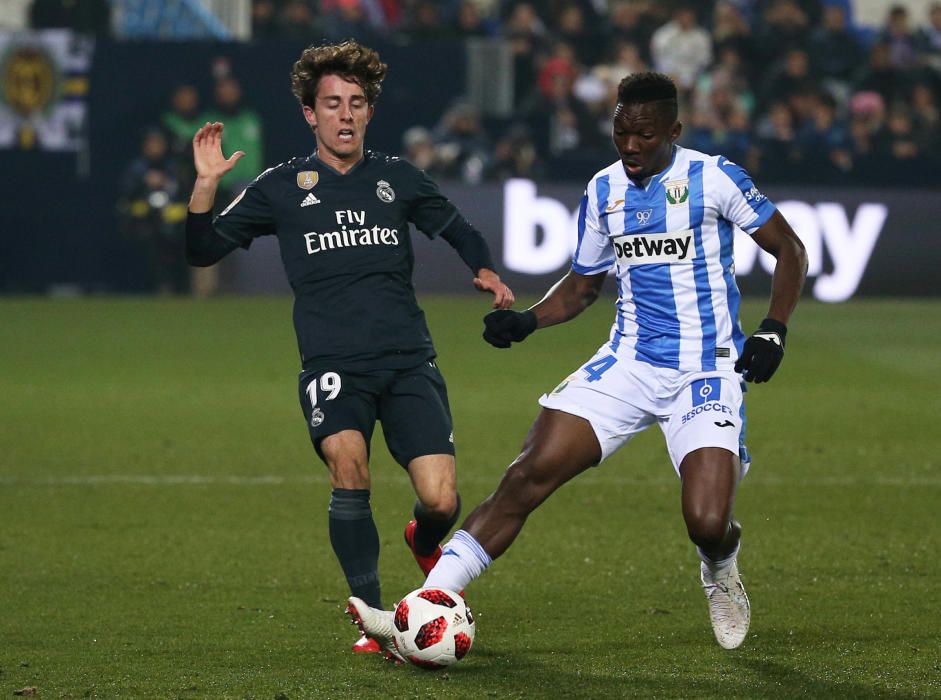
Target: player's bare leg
(353, 533)
(710, 476)
(434, 478)
(559, 446)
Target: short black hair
(641, 88)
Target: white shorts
(620, 397)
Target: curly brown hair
(350, 60)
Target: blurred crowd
(156, 185)
(790, 88)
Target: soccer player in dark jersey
(342, 218)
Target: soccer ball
(434, 628)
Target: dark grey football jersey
(347, 251)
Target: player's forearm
(565, 300)
(204, 195)
(204, 246)
(790, 271)
(469, 244)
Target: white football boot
(375, 624)
(728, 605)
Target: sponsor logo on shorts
(711, 407)
(651, 248)
(706, 390)
(707, 395)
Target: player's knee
(707, 529)
(441, 506)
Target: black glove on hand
(503, 326)
(763, 352)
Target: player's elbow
(197, 258)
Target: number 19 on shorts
(328, 384)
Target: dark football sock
(429, 531)
(355, 541)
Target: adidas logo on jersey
(310, 199)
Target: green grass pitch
(163, 527)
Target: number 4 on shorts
(598, 367)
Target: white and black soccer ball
(434, 628)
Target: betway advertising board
(860, 242)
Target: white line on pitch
(592, 479)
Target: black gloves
(763, 352)
(501, 327)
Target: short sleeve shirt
(669, 241)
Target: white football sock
(721, 565)
(462, 560)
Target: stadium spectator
(462, 144)
(365, 348)
(867, 120)
(665, 358)
(729, 28)
(471, 22)
(560, 122)
(778, 155)
(928, 41)
(727, 73)
(265, 20)
(516, 155)
(297, 21)
(419, 150)
(183, 118)
(343, 19)
(784, 25)
(527, 35)
(633, 21)
(880, 76)
(681, 48)
(824, 140)
(573, 28)
(835, 47)
(898, 36)
(926, 117)
(151, 207)
(423, 23)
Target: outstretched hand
(489, 281)
(207, 152)
(504, 327)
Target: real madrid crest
(385, 192)
(307, 179)
(316, 418)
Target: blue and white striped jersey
(670, 244)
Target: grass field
(163, 527)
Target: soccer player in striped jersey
(661, 218)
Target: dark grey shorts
(411, 404)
